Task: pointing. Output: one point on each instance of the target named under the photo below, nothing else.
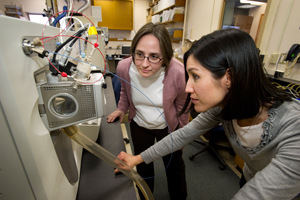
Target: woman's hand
(114, 115)
(130, 160)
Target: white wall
(256, 14)
(140, 13)
(281, 32)
(203, 17)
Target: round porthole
(63, 105)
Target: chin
(199, 109)
(145, 75)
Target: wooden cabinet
(116, 14)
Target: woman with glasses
(155, 96)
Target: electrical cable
(287, 67)
(51, 38)
(104, 70)
(66, 31)
(147, 99)
(77, 34)
(288, 88)
(73, 42)
(280, 59)
(64, 11)
(56, 53)
(297, 89)
(85, 141)
(56, 20)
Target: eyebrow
(149, 54)
(191, 69)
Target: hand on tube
(130, 160)
(115, 115)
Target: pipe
(85, 6)
(74, 133)
(56, 20)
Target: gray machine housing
(61, 105)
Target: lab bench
(97, 178)
(113, 63)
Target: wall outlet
(274, 58)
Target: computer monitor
(125, 50)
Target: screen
(125, 50)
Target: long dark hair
(250, 88)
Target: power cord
(288, 69)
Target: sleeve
(181, 137)
(123, 104)
(180, 101)
(280, 179)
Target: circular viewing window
(63, 105)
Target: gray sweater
(272, 169)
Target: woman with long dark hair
(227, 84)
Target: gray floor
(205, 180)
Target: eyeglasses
(153, 58)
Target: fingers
(116, 171)
(115, 116)
(112, 117)
(121, 155)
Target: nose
(189, 87)
(145, 62)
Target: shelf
(176, 40)
(177, 18)
(169, 22)
(13, 11)
(286, 80)
(119, 39)
(177, 4)
(164, 9)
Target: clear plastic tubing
(74, 133)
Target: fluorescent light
(252, 2)
(246, 6)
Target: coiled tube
(74, 133)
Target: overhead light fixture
(257, 3)
(247, 6)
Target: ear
(227, 77)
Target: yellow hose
(74, 133)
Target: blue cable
(65, 8)
(144, 96)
